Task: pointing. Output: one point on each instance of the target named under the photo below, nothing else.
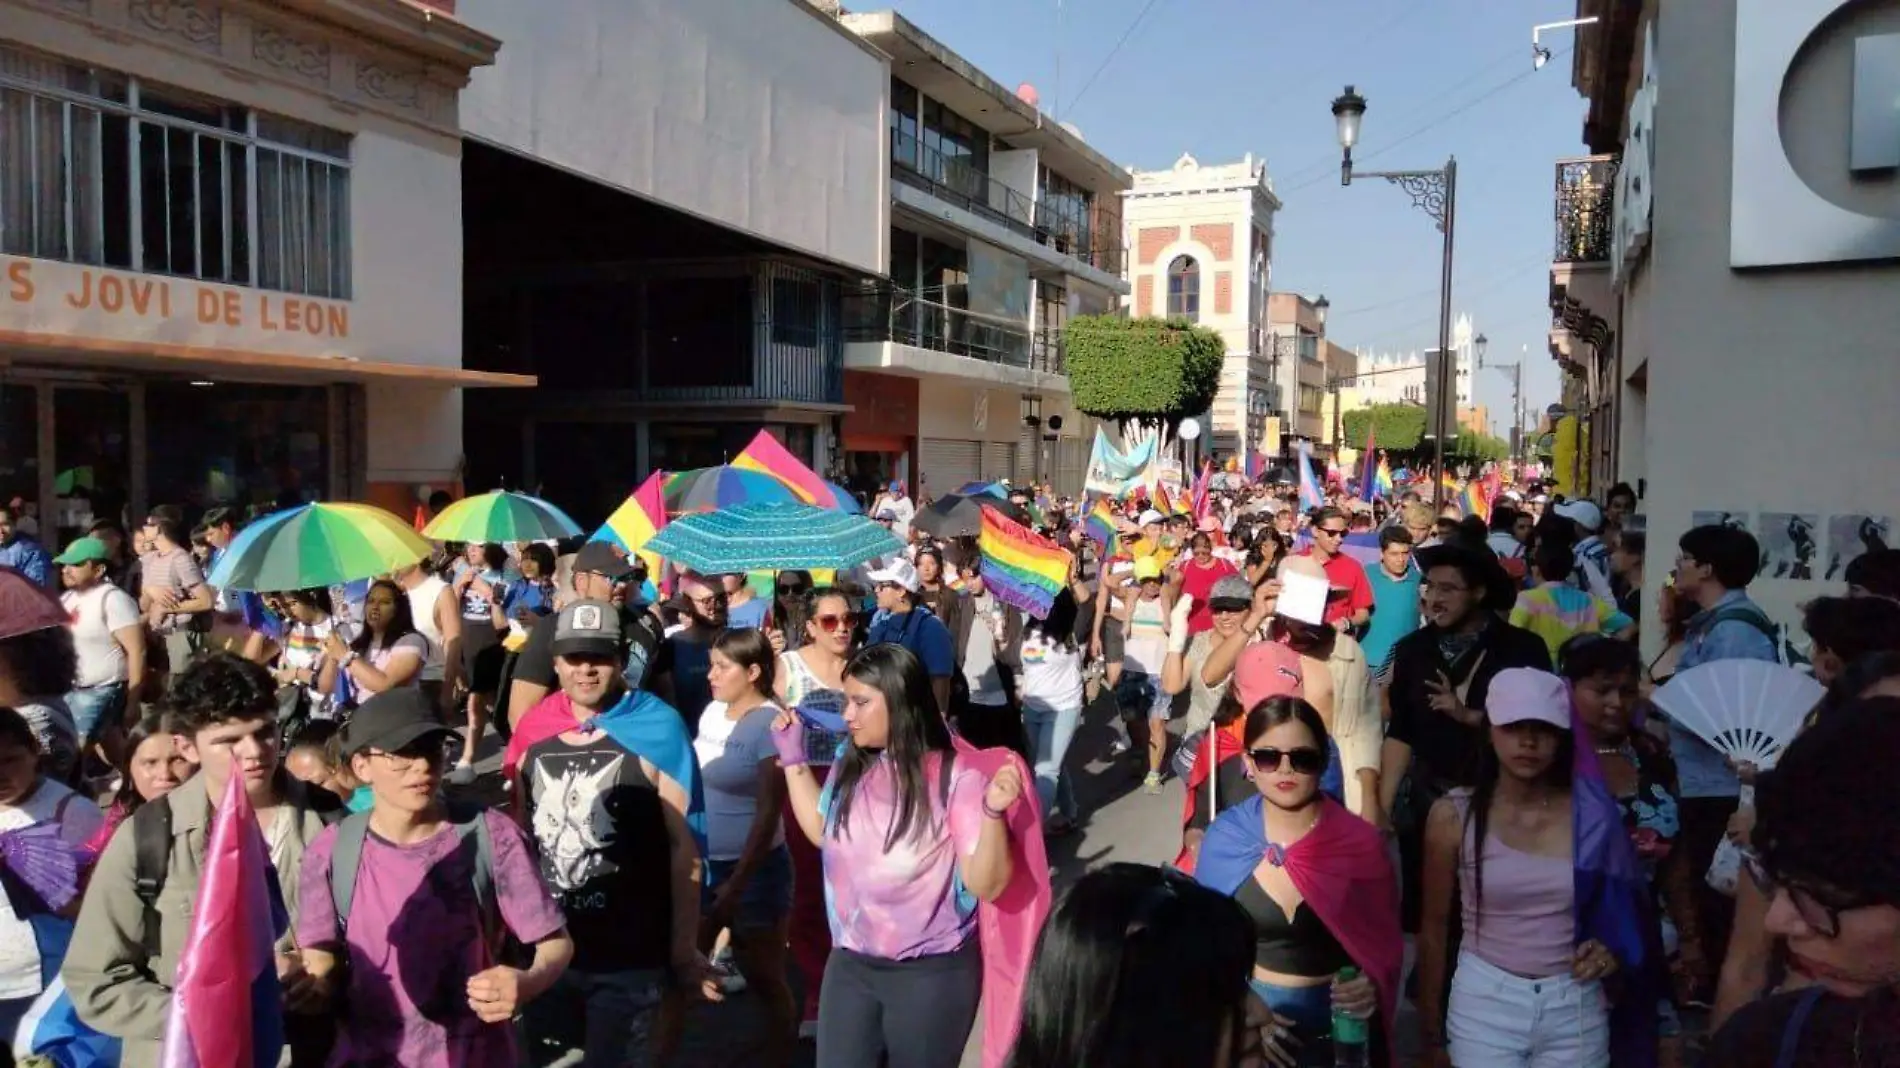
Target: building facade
(1202, 238)
(230, 238)
(1723, 274)
(1003, 225)
(1297, 327)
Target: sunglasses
(1329, 532)
(830, 623)
(1304, 760)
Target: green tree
(1151, 373)
(1397, 428)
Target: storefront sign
(64, 300)
(1813, 78)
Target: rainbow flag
(226, 1006)
(1099, 525)
(1162, 502)
(638, 518)
(1382, 479)
(1476, 503)
(1021, 569)
(766, 456)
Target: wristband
(790, 744)
(994, 813)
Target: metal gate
(943, 465)
(999, 460)
(1028, 443)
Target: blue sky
(1220, 78)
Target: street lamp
(1320, 308)
(1478, 345)
(1436, 194)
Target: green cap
(83, 551)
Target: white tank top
(422, 601)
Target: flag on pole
(1310, 495)
(1476, 503)
(1256, 465)
(1099, 525)
(1369, 470)
(1162, 502)
(226, 1005)
(1197, 496)
(1383, 479)
(1021, 569)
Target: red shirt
(1197, 582)
(1345, 573)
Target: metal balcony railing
(890, 313)
(1090, 233)
(1585, 198)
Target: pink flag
(1009, 925)
(227, 1007)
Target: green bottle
(1351, 1032)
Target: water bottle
(1351, 1032)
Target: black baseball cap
(393, 721)
(600, 558)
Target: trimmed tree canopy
(1142, 370)
(1396, 427)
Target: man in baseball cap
(599, 572)
(902, 619)
(1591, 572)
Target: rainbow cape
(1099, 525)
(638, 518)
(1021, 569)
(766, 456)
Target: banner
(1114, 472)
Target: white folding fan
(1748, 710)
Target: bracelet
(994, 814)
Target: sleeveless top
(805, 691)
(422, 601)
(1528, 926)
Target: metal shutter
(999, 460)
(1071, 465)
(944, 465)
(1028, 443)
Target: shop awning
(52, 350)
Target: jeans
(1500, 1020)
(1311, 1010)
(766, 897)
(1050, 731)
(609, 1016)
(96, 706)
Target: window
(1184, 289)
(904, 141)
(1312, 398)
(955, 151)
(97, 168)
(1065, 211)
(795, 312)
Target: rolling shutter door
(944, 464)
(1028, 441)
(999, 460)
(1072, 465)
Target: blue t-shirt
(748, 616)
(920, 632)
(532, 596)
(1394, 613)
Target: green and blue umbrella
(706, 489)
(501, 516)
(777, 536)
(317, 545)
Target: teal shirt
(361, 799)
(1394, 613)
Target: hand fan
(43, 862)
(1748, 710)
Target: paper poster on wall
(1738, 520)
(1848, 536)
(1790, 542)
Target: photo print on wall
(1790, 545)
(1848, 536)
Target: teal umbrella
(781, 536)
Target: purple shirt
(906, 901)
(415, 939)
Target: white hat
(1527, 694)
(1583, 513)
(1150, 516)
(898, 571)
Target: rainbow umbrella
(317, 545)
(501, 516)
(708, 489)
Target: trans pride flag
(227, 1008)
(1310, 495)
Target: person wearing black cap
(600, 573)
(1441, 673)
(403, 921)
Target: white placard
(1302, 597)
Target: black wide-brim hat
(1479, 566)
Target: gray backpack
(346, 856)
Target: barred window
(99, 168)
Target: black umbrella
(954, 515)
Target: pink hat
(1520, 695)
(1267, 669)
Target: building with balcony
(667, 205)
(1002, 225)
(229, 246)
(1202, 238)
(1297, 329)
(1740, 358)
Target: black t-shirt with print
(600, 831)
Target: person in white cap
(1152, 541)
(1592, 573)
(902, 620)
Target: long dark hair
(1137, 967)
(790, 606)
(1478, 813)
(401, 624)
(1275, 711)
(1059, 625)
(152, 725)
(917, 729)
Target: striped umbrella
(501, 516)
(777, 536)
(316, 545)
(707, 489)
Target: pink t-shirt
(907, 901)
(415, 939)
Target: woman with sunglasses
(810, 680)
(912, 838)
(1825, 852)
(1527, 990)
(1317, 885)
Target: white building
(1003, 225)
(1203, 250)
(1399, 377)
(230, 254)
